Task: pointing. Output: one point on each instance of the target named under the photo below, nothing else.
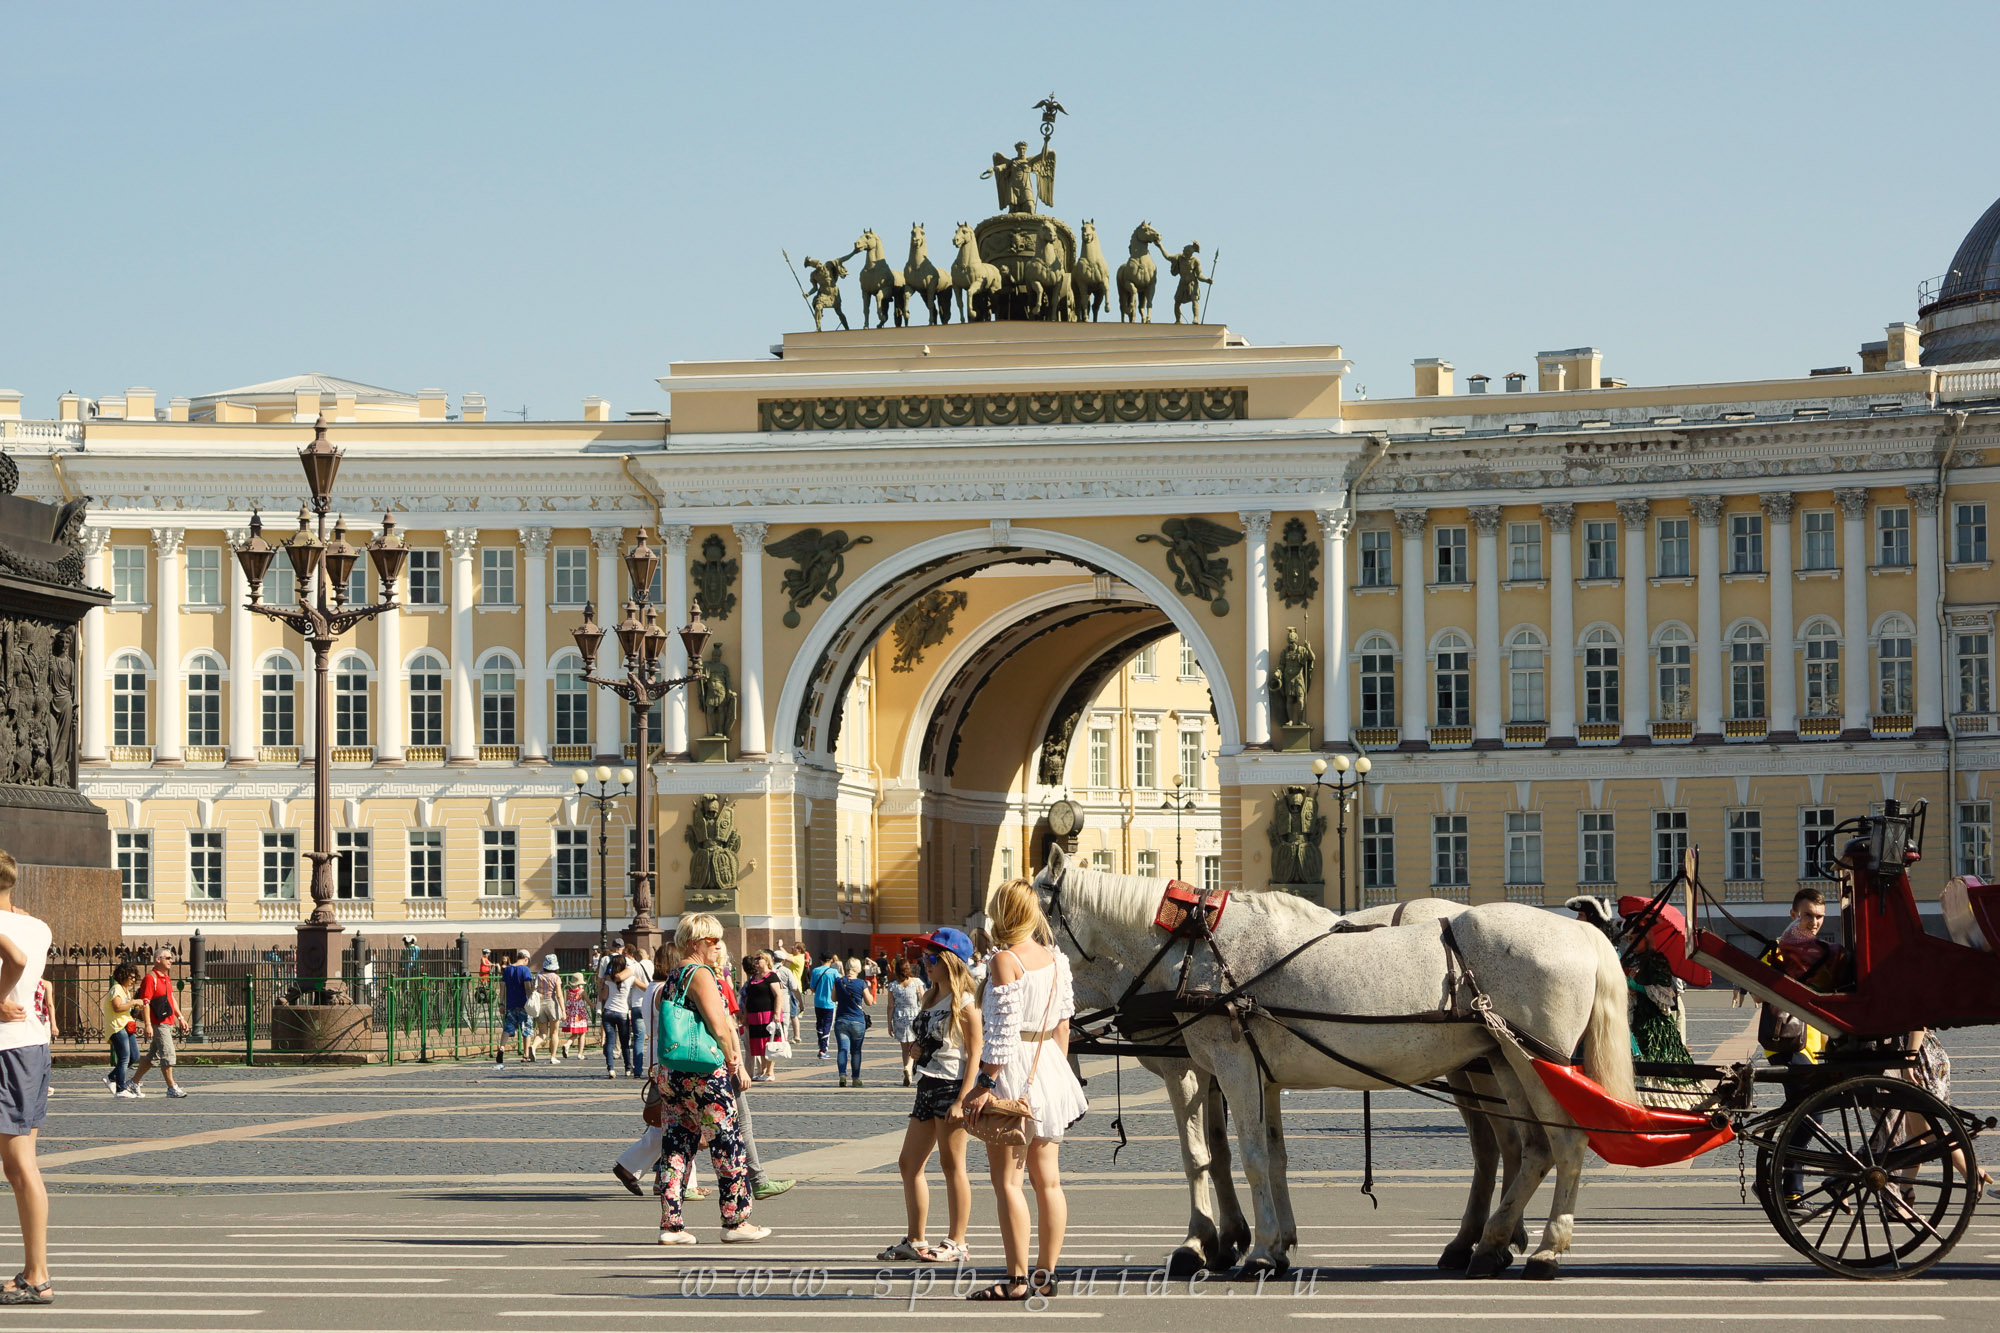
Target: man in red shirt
(160, 1009)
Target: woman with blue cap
(944, 1034)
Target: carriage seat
(1972, 912)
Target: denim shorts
(516, 1022)
(24, 1089)
(935, 1098)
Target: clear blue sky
(545, 201)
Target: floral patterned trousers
(700, 1109)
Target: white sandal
(904, 1249)
(740, 1235)
(681, 1237)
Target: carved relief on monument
(38, 702)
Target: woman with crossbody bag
(1026, 1095)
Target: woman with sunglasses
(943, 1034)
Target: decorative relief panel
(1003, 409)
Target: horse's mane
(1143, 894)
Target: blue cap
(952, 941)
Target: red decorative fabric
(1642, 1135)
(1178, 905)
(1668, 936)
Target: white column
(1562, 622)
(1636, 679)
(167, 686)
(1783, 668)
(463, 741)
(535, 643)
(610, 742)
(242, 666)
(392, 706)
(1488, 653)
(1853, 502)
(1709, 665)
(674, 614)
(750, 676)
(1257, 626)
(1929, 646)
(91, 749)
(1416, 645)
(1338, 707)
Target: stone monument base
(321, 1030)
(62, 841)
(1312, 893)
(1294, 740)
(711, 749)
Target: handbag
(533, 1008)
(778, 1048)
(686, 1046)
(1004, 1122)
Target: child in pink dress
(576, 1016)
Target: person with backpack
(161, 1013)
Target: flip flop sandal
(944, 1252)
(1004, 1291)
(25, 1292)
(903, 1250)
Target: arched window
(1675, 696)
(350, 703)
(1895, 668)
(496, 700)
(1527, 678)
(1822, 649)
(1600, 676)
(1378, 681)
(427, 699)
(204, 700)
(128, 700)
(1746, 672)
(278, 695)
(572, 701)
(1454, 681)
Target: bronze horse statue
(1137, 277)
(880, 284)
(926, 279)
(1090, 282)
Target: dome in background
(1959, 311)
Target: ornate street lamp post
(323, 615)
(1344, 791)
(603, 798)
(641, 646)
(1179, 804)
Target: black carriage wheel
(1875, 1190)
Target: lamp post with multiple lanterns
(1344, 791)
(603, 798)
(1179, 803)
(323, 614)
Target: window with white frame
(1190, 663)
(1526, 677)
(1746, 672)
(426, 863)
(1746, 845)
(205, 866)
(128, 576)
(350, 703)
(281, 584)
(1146, 863)
(655, 719)
(1598, 850)
(1378, 681)
(128, 700)
(572, 868)
(281, 865)
(1191, 757)
(1670, 844)
(204, 700)
(571, 568)
(1378, 852)
(1600, 550)
(1450, 850)
(1815, 852)
(1101, 860)
(1973, 650)
(427, 699)
(353, 864)
(1449, 544)
(1006, 864)
(357, 583)
(1524, 550)
(1524, 847)
(1454, 681)
(278, 701)
(497, 700)
(1674, 695)
(1820, 549)
(1892, 536)
(1895, 667)
(496, 576)
(1377, 568)
(1600, 676)
(1211, 874)
(1670, 559)
(1146, 662)
(133, 854)
(1746, 543)
(204, 575)
(1821, 642)
(572, 700)
(425, 576)
(1975, 839)
(856, 865)
(1968, 533)
(499, 863)
(1100, 756)
(1145, 757)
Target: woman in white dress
(1024, 1020)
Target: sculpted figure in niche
(717, 700)
(1292, 678)
(715, 849)
(1296, 829)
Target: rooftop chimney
(1874, 357)
(1569, 367)
(177, 409)
(1904, 350)
(305, 405)
(1517, 380)
(227, 412)
(70, 407)
(1433, 377)
(430, 404)
(1477, 383)
(10, 404)
(139, 405)
(472, 407)
(343, 404)
(597, 409)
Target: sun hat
(952, 941)
(549, 963)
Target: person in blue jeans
(617, 978)
(822, 979)
(850, 1021)
(518, 979)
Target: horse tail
(1607, 1038)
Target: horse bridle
(1052, 905)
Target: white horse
(1553, 980)
(977, 282)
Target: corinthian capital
(1778, 505)
(607, 540)
(674, 536)
(752, 535)
(1853, 501)
(95, 541)
(167, 541)
(463, 542)
(1413, 521)
(1707, 509)
(1256, 523)
(535, 541)
(1335, 522)
(1635, 512)
(1561, 515)
(1486, 518)
(1924, 497)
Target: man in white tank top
(24, 1085)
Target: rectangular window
(1676, 679)
(1101, 860)
(1746, 845)
(1378, 852)
(1892, 536)
(1600, 680)
(204, 703)
(357, 583)
(496, 576)
(426, 576)
(1378, 569)
(281, 865)
(1746, 543)
(1975, 671)
(204, 576)
(572, 573)
(205, 866)
(278, 705)
(1600, 550)
(1146, 662)
(1191, 755)
(1190, 664)
(135, 866)
(1968, 533)
(1450, 850)
(1524, 847)
(653, 861)
(353, 864)
(1820, 552)
(1378, 683)
(1145, 758)
(1670, 844)
(1975, 839)
(1671, 562)
(1451, 567)
(572, 863)
(1599, 852)
(1814, 851)
(1147, 864)
(1524, 550)
(499, 863)
(281, 583)
(128, 575)
(1006, 864)
(427, 863)
(1100, 756)
(1211, 874)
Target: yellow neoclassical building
(961, 573)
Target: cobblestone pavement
(451, 1196)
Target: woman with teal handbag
(697, 1069)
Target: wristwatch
(986, 1081)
